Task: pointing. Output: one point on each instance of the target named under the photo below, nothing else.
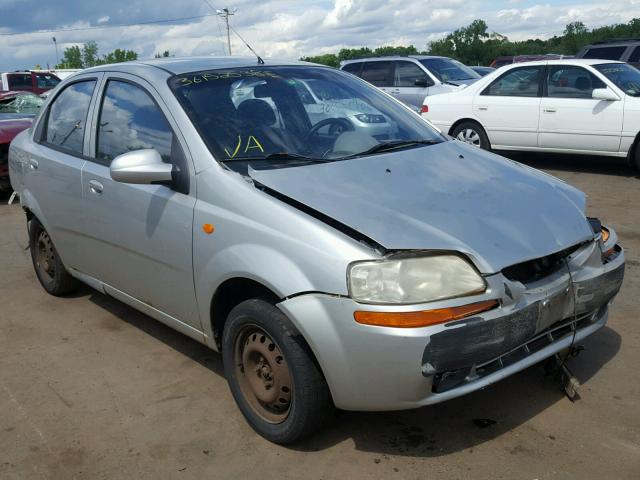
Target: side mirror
(141, 167)
(604, 94)
(423, 82)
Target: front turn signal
(422, 318)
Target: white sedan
(569, 106)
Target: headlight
(368, 118)
(413, 279)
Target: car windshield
(625, 77)
(26, 103)
(449, 70)
(46, 80)
(268, 113)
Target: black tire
(635, 159)
(307, 404)
(51, 272)
(471, 133)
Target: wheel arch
(470, 120)
(631, 154)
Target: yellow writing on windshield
(251, 143)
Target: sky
(276, 28)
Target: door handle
(549, 110)
(483, 108)
(33, 164)
(95, 187)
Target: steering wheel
(339, 123)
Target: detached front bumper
(381, 368)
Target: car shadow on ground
(574, 163)
(438, 430)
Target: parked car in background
(329, 269)
(624, 50)
(567, 106)
(509, 59)
(412, 78)
(36, 82)
(482, 71)
(22, 104)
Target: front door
(571, 119)
(508, 108)
(140, 236)
(406, 75)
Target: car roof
(180, 65)
(563, 61)
(392, 57)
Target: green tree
(118, 55)
(329, 59)
(164, 54)
(71, 58)
(90, 54)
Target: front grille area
(538, 268)
(445, 381)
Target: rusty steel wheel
(50, 270)
(45, 256)
(272, 373)
(263, 374)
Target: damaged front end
(547, 304)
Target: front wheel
(473, 134)
(272, 374)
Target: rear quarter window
(605, 53)
(353, 68)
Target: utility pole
(55, 43)
(224, 13)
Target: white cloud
(290, 29)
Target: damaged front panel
(570, 298)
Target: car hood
(11, 125)
(448, 196)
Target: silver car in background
(332, 268)
(410, 79)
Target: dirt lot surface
(91, 389)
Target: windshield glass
(625, 77)
(301, 112)
(27, 103)
(449, 70)
(46, 80)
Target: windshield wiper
(279, 156)
(393, 145)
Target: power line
(225, 13)
(121, 25)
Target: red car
(8, 130)
(36, 82)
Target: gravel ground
(91, 389)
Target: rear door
(571, 119)
(55, 163)
(139, 237)
(508, 108)
(405, 89)
(379, 73)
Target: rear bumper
(379, 368)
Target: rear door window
(635, 56)
(379, 74)
(67, 117)
(565, 81)
(19, 81)
(605, 53)
(519, 82)
(353, 68)
(407, 73)
(46, 80)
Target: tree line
(474, 44)
(87, 56)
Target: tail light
(424, 109)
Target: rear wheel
(635, 160)
(272, 374)
(471, 133)
(50, 270)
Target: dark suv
(625, 50)
(36, 82)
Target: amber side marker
(605, 235)
(422, 318)
(208, 228)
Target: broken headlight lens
(413, 279)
